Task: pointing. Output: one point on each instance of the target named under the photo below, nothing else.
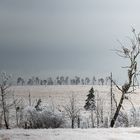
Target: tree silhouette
(90, 103)
(131, 54)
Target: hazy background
(65, 37)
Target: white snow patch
(69, 134)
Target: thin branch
(131, 103)
(115, 100)
(115, 84)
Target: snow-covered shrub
(44, 118)
(51, 119)
(105, 123)
(122, 120)
(129, 119)
(134, 117)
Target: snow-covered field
(59, 96)
(69, 134)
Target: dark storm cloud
(66, 36)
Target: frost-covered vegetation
(41, 118)
(63, 107)
(63, 80)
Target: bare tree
(50, 81)
(17, 107)
(20, 80)
(30, 81)
(131, 54)
(66, 80)
(82, 81)
(101, 81)
(4, 93)
(111, 95)
(72, 110)
(37, 80)
(93, 80)
(87, 80)
(29, 97)
(107, 79)
(99, 110)
(62, 80)
(77, 80)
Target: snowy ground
(69, 134)
(58, 95)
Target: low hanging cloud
(65, 36)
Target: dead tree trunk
(111, 96)
(124, 91)
(4, 97)
(131, 54)
(92, 121)
(72, 123)
(78, 121)
(4, 107)
(117, 111)
(97, 111)
(29, 99)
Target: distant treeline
(63, 80)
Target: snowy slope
(69, 134)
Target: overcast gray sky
(70, 37)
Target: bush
(122, 120)
(134, 117)
(45, 118)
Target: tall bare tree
(17, 106)
(111, 95)
(93, 80)
(72, 110)
(131, 54)
(4, 93)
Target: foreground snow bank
(69, 134)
